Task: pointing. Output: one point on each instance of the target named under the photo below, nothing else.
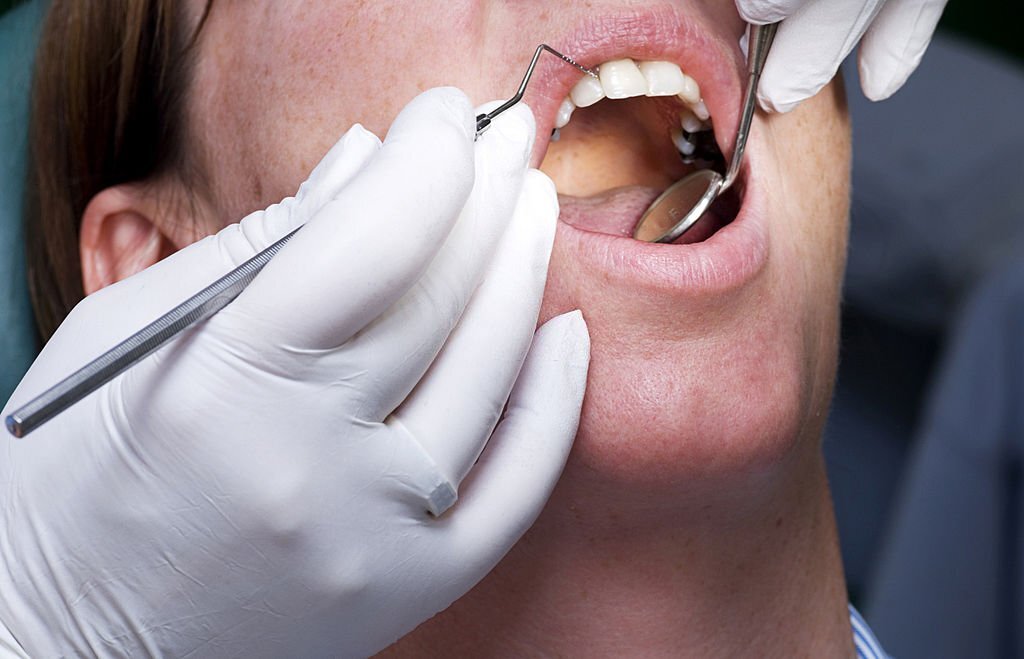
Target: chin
(712, 358)
(690, 395)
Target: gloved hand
(260, 486)
(817, 35)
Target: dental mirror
(679, 207)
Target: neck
(752, 575)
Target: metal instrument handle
(759, 41)
(125, 354)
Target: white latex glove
(259, 487)
(817, 35)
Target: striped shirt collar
(864, 639)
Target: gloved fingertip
(755, 18)
(879, 90)
(894, 45)
(541, 184)
(782, 89)
(516, 126)
(573, 341)
(343, 160)
(461, 109)
(774, 105)
(444, 103)
(577, 328)
(357, 142)
(879, 82)
(762, 12)
(357, 135)
(538, 213)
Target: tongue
(614, 211)
(617, 211)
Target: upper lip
(652, 33)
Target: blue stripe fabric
(864, 639)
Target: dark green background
(996, 23)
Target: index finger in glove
(365, 248)
(894, 44)
(400, 345)
(809, 47)
(456, 405)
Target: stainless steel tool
(677, 209)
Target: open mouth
(622, 138)
(665, 103)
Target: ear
(121, 234)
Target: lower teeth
(700, 147)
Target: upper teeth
(666, 79)
(624, 78)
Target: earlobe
(120, 236)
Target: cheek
(670, 401)
(810, 174)
(274, 87)
(821, 196)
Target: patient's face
(708, 359)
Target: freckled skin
(694, 501)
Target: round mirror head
(678, 208)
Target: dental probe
(483, 121)
(197, 308)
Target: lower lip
(727, 260)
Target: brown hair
(108, 107)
